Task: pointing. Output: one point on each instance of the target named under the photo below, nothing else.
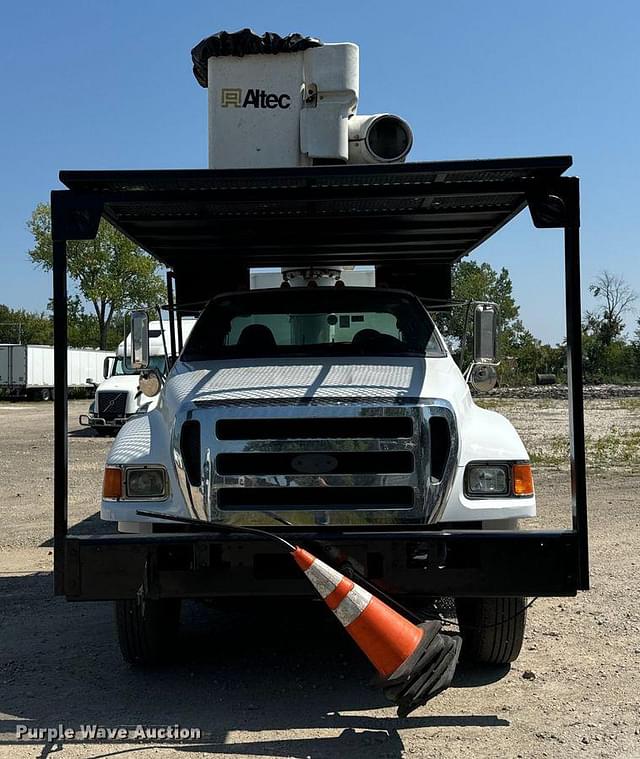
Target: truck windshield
(155, 362)
(313, 322)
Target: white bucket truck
(328, 412)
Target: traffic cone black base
(428, 671)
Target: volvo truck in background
(118, 396)
(329, 413)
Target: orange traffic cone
(415, 663)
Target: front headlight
(487, 480)
(146, 482)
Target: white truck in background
(118, 396)
(26, 371)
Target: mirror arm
(464, 334)
(164, 339)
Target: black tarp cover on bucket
(244, 42)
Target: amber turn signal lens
(112, 483)
(522, 479)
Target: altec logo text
(231, 97)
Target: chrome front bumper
(87, 420)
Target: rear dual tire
(492, 629)
(147, 631)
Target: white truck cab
(118, 396)
(324, 405)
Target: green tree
(473, 281)
(481, 282)
(19, 325)
(83, 327)
(522, 355)
(635, 344)
(36, 328)
(615, 300)
(607, 356)
(111, 272)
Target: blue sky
(90, 84)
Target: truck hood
(384, 378)
(241, 392)
(210, 393)
(127, 382)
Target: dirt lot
(267, 683)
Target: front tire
(492, 629)
(147, 631)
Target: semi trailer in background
(26, 371)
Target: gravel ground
(283, 682)
(612, 432)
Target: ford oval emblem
(314, 463)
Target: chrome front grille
(340, 464)
(111, 404)
(304, 427)
(318, 463)
(313, 498)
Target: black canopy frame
(424, 214)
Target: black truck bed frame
(415, 217)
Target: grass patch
(629, 404)
(617, 449)
(496, 404)
(554, 452)
(488, 403)
(507, 404)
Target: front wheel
(492, 629)
(147, 631)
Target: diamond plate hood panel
(255, 380)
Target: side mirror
(485, 334)
(139, 341)
(107, 366)
(90, 381)
(483, 377)
(150, 383)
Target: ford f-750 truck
(333, 415)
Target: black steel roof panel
(289, 216)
